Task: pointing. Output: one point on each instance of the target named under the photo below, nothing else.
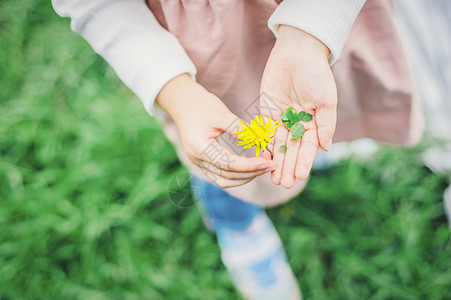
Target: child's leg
(250, 247)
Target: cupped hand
(298, 74)
(201, 118)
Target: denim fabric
(222, 209)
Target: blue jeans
(221, 209)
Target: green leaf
(293, 116)
(284, 117)
(305, 117)
(289, 124)
(289, 114)
(297, 130)
(283, 148)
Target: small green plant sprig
(292, 119)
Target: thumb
(326, 119)
(231, 123)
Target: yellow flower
(257, 134)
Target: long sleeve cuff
(126, 34)
(330, 21)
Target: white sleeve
(126, 34)
(330, 21)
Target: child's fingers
(280, 138)
(307, 153)
(265, 154)
(289, 164)
(233, 175)
(223, 159)
(226, 183)
(326, 119)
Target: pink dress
(229, 42)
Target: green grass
(85, 212)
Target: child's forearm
(301, 42)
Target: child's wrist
(301, 42)
(172, 97)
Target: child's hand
(201, 117)
(298, 74)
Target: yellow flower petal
(258, 134)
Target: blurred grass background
(84, 207)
